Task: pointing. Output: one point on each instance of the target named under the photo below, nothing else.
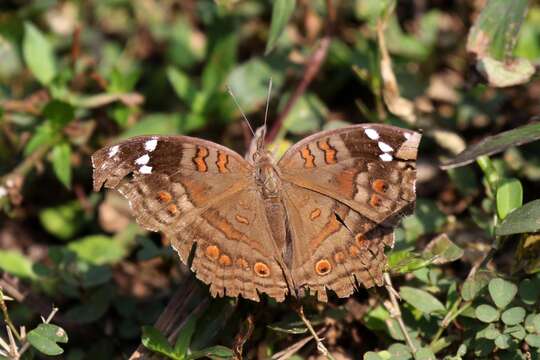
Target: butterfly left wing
(203, 195)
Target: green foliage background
(78, 75)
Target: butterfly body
(318, 218)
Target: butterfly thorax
(267, 176)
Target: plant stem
(7, 319)
(395, 311)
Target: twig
(291, 350)
(242, 337)
(311, 70)
(6, 316)
(395, 311)
(320, 346)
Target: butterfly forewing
(198, 192)
(369, 167)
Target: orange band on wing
(309, 159)
(199, 159)
(329, 152)
(222, 162)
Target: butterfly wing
(198, 193)
(344, 191)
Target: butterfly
(317, 219)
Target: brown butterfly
(319, 218)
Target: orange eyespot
(261, 269)
(164, 196)
(361, 241)
(375, 201)
(225, 260)
(380, 186)
(323, 267)
(212, 252)
(241, 263)
(354, 251)
(172, 209)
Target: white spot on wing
(372, 134)
(150, 145)
(407, 135)
(143, 160)
(386, 157)
(385, 147)
(145, 169)
(113, 150)
(3, 191)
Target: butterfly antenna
(240, 109)
(267, 101)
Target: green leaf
(59, 113)
(464, 179)
(426, 219)
(424, 354)
(516, 331)
(184, 338)
(61, 161)
(281, 13)
(249, 83)
(45, 338)
(533, 340)
(489, 332)
(98, 249)
(92, 307)
(505, 74)
(529, 291)
(43, 135)
(509, 197)
(503, 341)
(63, 221)
(155, 124)
(154, 340)
(38, 54)
(502, 292)
(494, 144)
(406, 261)
(536, 323)
(442, 250)
(370, 355)
(400, 351)
(182, 85)
(522, 220)
(476, 283)
(513, 316)
(422, 300)
(221, 60)
(495, 31)
(213, 352)
(15, 263)
(306, 116)
(486, 313)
